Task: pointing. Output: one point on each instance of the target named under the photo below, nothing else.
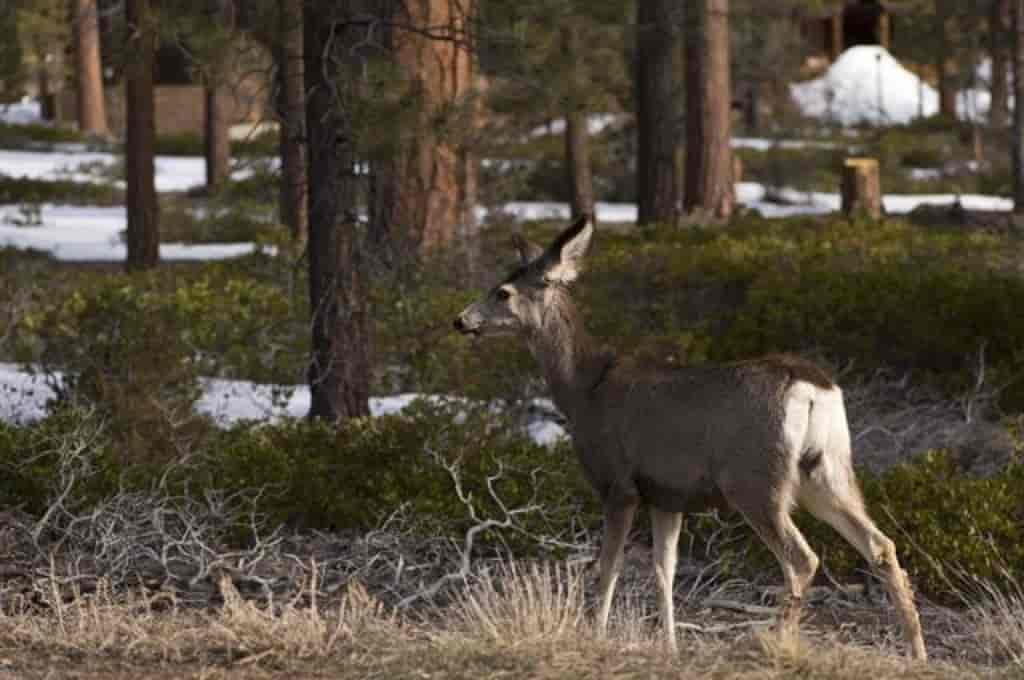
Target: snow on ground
(595, 123)
(774, 204)
(23, 398)
(93, 234)
(173, 173)
(22, 112)
(866, 84)
(766, 144)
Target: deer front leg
(666, 527)
(618, 518)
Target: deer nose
(459, 324)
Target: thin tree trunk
(92, 115)
(216, 136)
(999, 30)
(291, 109)
(1018, 109)
(577, 135)
(140, 134)
(944, 65)
(657, 111)
(709, 185)
(217, 122)
(339, 370)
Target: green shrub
(36, 136)
(24, 190)
(355, 475)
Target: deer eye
(503, 294)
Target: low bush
(25, 190)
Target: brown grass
(514, 621)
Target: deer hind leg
(842, 506)
(666, 527)
(773, 524)
(618, 519)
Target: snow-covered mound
(21, 112)
(866, 85)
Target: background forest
(240, 438)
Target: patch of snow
(777, 203)
(546, 432)
(23, 399)
(766, 144)
(866, 84)
(173, 173)
(548, 210)
(22, 112)
(924, 174)
(93, 234)
(23, 396)
(596, 122)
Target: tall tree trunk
(140, 134)
(944, 65)
(709, 185)
(577, 134)
(291, 114)
(217, 120)
(1018, 108)
(339, 370)
(657, 110)
(92, 115)
(999, 31)
(418, 192)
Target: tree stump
(861, 188)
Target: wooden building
(859, 22)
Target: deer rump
(705, 437)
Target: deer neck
(571, 360)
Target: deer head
(519, 303)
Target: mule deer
(765, 435)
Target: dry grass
(518, 620)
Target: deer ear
(566, 253)
(528, 251)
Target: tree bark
(140, 134)
(217, 120)
(291, 113)
(418, 190)
(340, 366)
(92, 115)
(861, 188)
(657, 111)
(709, 184)
(577, 134)
(1018, 109)
(944, 66)
(999, 30)
(216, 136)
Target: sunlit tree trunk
(420, 191)
(92, 115)
(140, 134)
(657, 110)
(709, 184)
